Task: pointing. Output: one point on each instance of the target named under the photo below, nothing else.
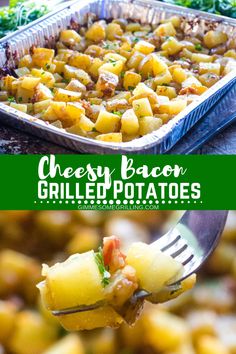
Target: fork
(191, 241)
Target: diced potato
(214, 38)
(149, 124)
(59, 109)
(70, 344)
(3, 96)
(19, 107)
(66, 95)
(20, 72)
(159, 65)
(165, 29)
(190, 81)
(142, 107)
(144, 47)
(45, 77)
(210, 345)
(154, 269)
(74, 110)
(129, 123)
(7, 320)
(58, 78)
(42, 93)
(131, 80)
(113, 31)
(201, 58)
(96, 64)
(70, 72)
(172, 46)
(175, 20)
(231, 53)
(166, 91)
(42, 56)
(115, 67)
(31, 328)
(76, 85)
(107, 122)
(230, 66)
(213, 68)
(165, 331)
(59, 66)
(132, 27)
(173, 107)
(163, 78)
(101, 317)
(146, 66)
(25, 61)
(107, 83)
(41, 106)
(179, 75)
(85, 123)
(96, 32)
(135, 60)
(111, 57)
(29, 83)
(110, 137)
(70, 37)
(80, 60)
(60, 291)
(49, 115)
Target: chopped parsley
(20, 99)
(198, 47)
(130, 88)
(102, 268)
(94, 130)
(48, 66)
(135, 39)
(118, 113)
(11, 99)
(122, 74)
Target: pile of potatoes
(117, 81)
(201, 321)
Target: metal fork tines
(194, 238)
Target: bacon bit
(188, 90)
(129, 273)
(112, 255)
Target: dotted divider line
(118, 202)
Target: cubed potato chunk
(201, 58)
(165, 29)
(66, 95)
(25, 61)
(144, 47)
(85, 123)
(165, 331)
(20, 72)
(172, 46)
(30, 83)
(74, 110)
(131, 80)
(107, 122)
(80, 60)
(112, 57)
(173, 107)
(42, 56)
(113, 31)
(70, 37)
(142, 107)
(71, 344)
(76, 85)
(45, 77)
(179, 75)
(214, 38)
(110, 137)
(166, 91)
(96, 32)
(41, 106)
(129, 123)
(159, 65)
(107, 83)
(7, 320)
(154, 269)
(114, 67)
(135, 60)
(163, 78)
(60, 291)
(213, 68)
(19, 107)
(211, 345)
(149, 124)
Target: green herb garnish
(135, 39)
(94, 130)
(20, 99)
(102, 268)
(131, 88)
(11, 99)
(48, 66)
(118, 113)
(122, 74)
(198, 47)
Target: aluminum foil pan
(47, 29)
